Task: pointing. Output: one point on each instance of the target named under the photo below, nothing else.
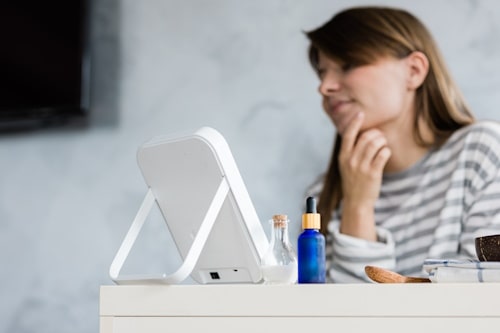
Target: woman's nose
(329, 83)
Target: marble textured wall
(68, 197)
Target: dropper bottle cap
(311, 219)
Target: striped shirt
(434, 209)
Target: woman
(412, 175)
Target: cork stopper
(280, 220)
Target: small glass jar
(279, 265)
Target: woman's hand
(362, 158)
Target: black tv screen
(43, 62)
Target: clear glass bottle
(279, 265)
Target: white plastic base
(193, 254)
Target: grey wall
(67, 198)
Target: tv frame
(20, 118)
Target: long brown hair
(360, 36)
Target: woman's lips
(340, 112)
(338, 106)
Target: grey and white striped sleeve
(482, 197)
(349, 255)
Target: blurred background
(68, 194)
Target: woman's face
(378, 90)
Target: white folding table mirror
(196, 184)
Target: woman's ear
(418, 66)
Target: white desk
(301, 308)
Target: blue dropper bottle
(311, 247)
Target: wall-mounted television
(44, 63)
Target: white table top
(425, 299)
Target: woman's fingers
(382, 157)
(369, 154)
(369, 145)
